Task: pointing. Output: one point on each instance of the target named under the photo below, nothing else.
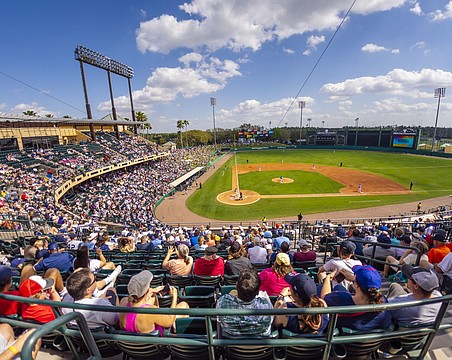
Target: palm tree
(142, 117)
(186, 123)
(49, 115)
(30, 113)
(180, 125)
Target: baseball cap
(303, 285)
(267, 234)
(210, 250)
(140, 283)
(34, 284)
(347, 246)
(53, 246)
(367, 277)
(405, 238)
(439, 237)
(303, 242)
(5, 273)
(282, 259)
(426, 279)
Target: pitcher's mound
(284, 180)
(230, 197)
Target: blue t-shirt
(363, 321)
(293, 324)
(61, 261)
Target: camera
(166, 290)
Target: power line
(318, 61)
(41, 92)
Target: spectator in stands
(10, 348)
(86, 241)
(74, 242)
(37, 287)
(383, 250)
(422, 284)
(344, 265)
(210, 264)
(81, 285)
(357, 235)
(145, 244)
(201, 245)
(62, 261)
(30, 249)
(367, 284)
(340, 231)
(280, 239)
(409, 257)
(272, 279)
(237, 260)
(285, 248)
(141, 295)
(257, 254)
(303, 294)
(126, 244)
(248, 297)
(7, 307)
(439, 251)
(83, 260)
(182, 265)
(305, 253)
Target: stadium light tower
(356, 134)
(439, 93)
(91, 57)
(301, 105)
(213, 102)
(323, 124)
(309, 122)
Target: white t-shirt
(341, 264)
(411, 259)
(93, 318)
(446, 265)
(257, 255)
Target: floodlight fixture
(96, 59)
(213, 103)
(301, 105)
(439, 93)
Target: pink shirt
(271, 283)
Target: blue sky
(252, 55)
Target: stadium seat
(198, 296)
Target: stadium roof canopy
(16, 119)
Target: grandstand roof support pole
(301, 105)
(88, 106)
(129, 82)
(113, 109)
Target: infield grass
(432, 177)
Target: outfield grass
(431, 178)
(304, 183)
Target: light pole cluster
(213, 102)
(439, 93)
(301, 105)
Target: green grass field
(431, 178)
(304, 183)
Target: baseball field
(281, 183)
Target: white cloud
(143, 13)
(34, 106)
(207, 76)
(373, 48)
(238, 25)
(312, 43)
(395, 51)
(416, 9)
(254, 112)
(415, 84)
(307, 52)
(289, 51)
(441, 15)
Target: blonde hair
(182, 252)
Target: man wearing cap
(367, 282)
(7, 307)
(40, 288)
(343, 265)
(422, 284)
(305, 253)
(248, 297)
(81, 285)
(56, 260)
(439, 251)
(210, 264)
(381, 251)
(303, 292)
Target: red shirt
(212, 267)
(437, 254)
(299, 256)
(9, 307)
(41, 313)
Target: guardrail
(212, 342)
